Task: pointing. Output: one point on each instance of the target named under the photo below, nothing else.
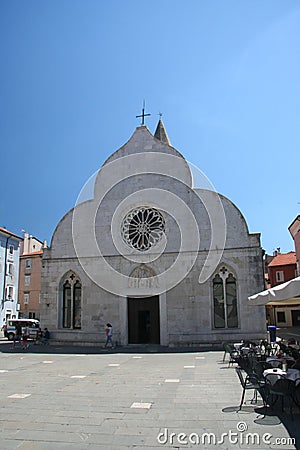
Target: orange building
(30, 277)
(282, 268)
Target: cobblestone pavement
(58, 397)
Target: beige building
(30, 277)
(294, 229)
(151, 248)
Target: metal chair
(232, 352)
(296, 392)
(227, 349)
(277, 386)
(259, 367)
(248, 382)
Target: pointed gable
(161, 134)
(142, 141)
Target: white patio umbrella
(286, 293)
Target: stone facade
(164, 262)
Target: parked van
(32, 324)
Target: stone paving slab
(121, 400)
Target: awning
(285, 293)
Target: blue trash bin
(272, 330)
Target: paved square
(116, 400)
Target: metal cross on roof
(143, 115)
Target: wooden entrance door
(143, 320)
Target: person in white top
(109, 333)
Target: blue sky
(225, 75)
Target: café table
(241, 347)
(275, 373)
(277, 362)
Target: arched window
(67, 305)
(225, 300)
(77, 305)
(219, 308)
(71, 302)
(231, 302)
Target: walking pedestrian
(18, 335)
(26, 334)
(109, 333)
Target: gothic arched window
(219, 309)
(71, 302)
(231, 302)
(225, 300)
(77, 305)
(67, 305)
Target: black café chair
(232, 352)
(248, 382)
(259, 367)
(244, 363)
(228, 348)
(290, 363)
(252, 360)
(279, 387)
(295, 353)
(296, 392)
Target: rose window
(143, 228)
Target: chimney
(26, 243)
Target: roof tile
(283, 259)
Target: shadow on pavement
(55, 348)
(270, 416)
(274, 416)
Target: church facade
(165, 262)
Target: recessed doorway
(295, 317)
(143, 320)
